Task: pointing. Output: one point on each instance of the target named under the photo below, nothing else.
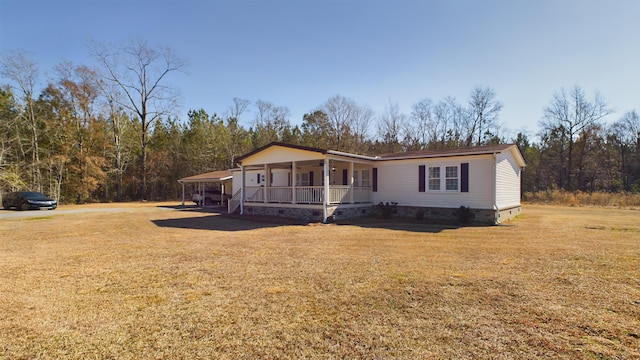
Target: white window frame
(429, 178)
(448, 177)
(365, 176)
(444, 179)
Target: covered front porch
(313, 179)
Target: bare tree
(234, 140)
(626, 132)
(571, 113)
(340, 113)
(347, 123)
(119, 125)
(360, 125)
(141, 73)
(484, 111)
(390, 127)
(19, 68)
(451, 120)
(271, 122)
(238, 108)
(421, 127)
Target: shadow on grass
(219, 220)
(399, 224)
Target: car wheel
(5, 205)
(24, 206)
(207, 201)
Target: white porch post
(221, 193)
(242, 189)
(351, 188)
(293, 182)
(266, 182)
(325, 199)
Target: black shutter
(258, 178)
(375, 179)
(345, 180)
(421, 178)
(464, 177)
(310, 178)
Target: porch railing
(338, 194)
(361, 194)
(234, 202)
(254, 194)
(309, 194)
(279, 194)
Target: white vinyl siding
(508, 177)
(398, 182)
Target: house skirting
(508, 213)
(310, 213)
(313, 213)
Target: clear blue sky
(300, 53)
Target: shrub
(464, 214)
(387, 209)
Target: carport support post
(182, 193)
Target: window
(451, 173)
(356, 181)
(434, 179)
(302, 179)
(365, 178)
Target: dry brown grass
(580, 198)
(155, 283)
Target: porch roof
(323, 153)
(214, 176)
(299, 147)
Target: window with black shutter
(375, 179)
(464, 177)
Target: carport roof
(214, 176)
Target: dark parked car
(25, 200)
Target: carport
(222, 177)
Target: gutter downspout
(494, 190)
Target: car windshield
(34, 195)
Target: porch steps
(234, 202)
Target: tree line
(110, 133)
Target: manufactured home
(324, 185)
